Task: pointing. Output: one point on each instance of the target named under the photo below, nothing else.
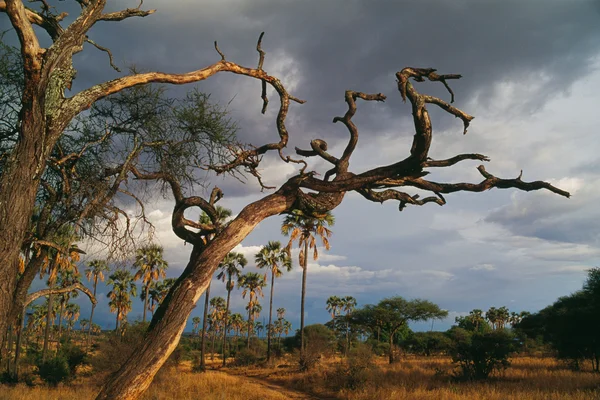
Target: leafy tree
(95, 272)
(428, 343)
(479, 354)
(150, 267)
(474, 322)
(123, 288)
(394, 313)
(275, 259)
(302, 227)
(158, 292)
(251, 284)
(230, 268)
(571, 324)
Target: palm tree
(196, 323)
(237, 323)
(333, 305)
(275, 258)
(301, 227)
(252, 285)
(222, 215)
(120, 296)
(66, 278)
(150, 267)
(217, 318)
(95, 272)
(230, 268)
(348, 304)
(158, 292)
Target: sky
(530, 77)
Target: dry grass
(412, 378)
(176, 383)
(431, 378)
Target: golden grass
(175, 383)
(430, 378)
(413, 378)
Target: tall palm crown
(230, 268)
(334, 304)
(150, 267)
(301, 227)
(123, 287)
(252, 285)
(95, 272)
(276, 259)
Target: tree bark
(202, 338)
(269, 328)
(19, 343)
(303, 297)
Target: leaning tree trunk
(19, 344)
(303, 297)
(169, 321)
(269, 329)
(202, 338)
(226, 327)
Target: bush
(117, 348)
(479, 354)
(54, 370)
(357, 370)
(74, 355)
(246, 357)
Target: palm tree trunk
(250, 322)
(270, 317)
(212, 350)
(226, 319)
(204, 318)
(47, 330)
(347, 333)
(146, 302)
(60, 321)
(117, 324)
(304, 268)
(92, 314)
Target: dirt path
(288, 392)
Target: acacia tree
(276, 259)
(306, 192)
(46, 112)
(394, 313)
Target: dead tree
(305, 192)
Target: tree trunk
(303, 297)
(250, 323)
(347, 333)
(226, 319)
(270, 317)
(117, 320)
(147, 291)
(18, 188)
(212, 346)
(49, 319)
(202, 339)
(60, 321)
(92, 313)
(167, 325)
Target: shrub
(479, 354)
(54, 370)
(358, 367)
(74, 355)
(117, 348)
(246, 357)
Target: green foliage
(571, 324)
(54, 370)
(357, 369)
(427, 343)
(479, 354)
(116, 349)
(74, 355)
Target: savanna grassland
(528, 378)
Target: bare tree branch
(46, 292)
